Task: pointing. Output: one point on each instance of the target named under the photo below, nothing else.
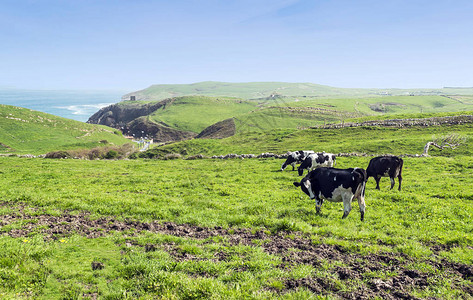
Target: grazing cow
(294, 158)
(316, 160)
(385, 166)
(336, 185)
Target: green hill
(27, 131)
(371, 140)
(195, 113)
(257, 90)
(184, 110)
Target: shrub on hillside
(94, 153)
(58, 154)
(198, 156)
(110, 152)
(172, 156)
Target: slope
(365, 139)
(256, 90)
(195, 113)
(27, 131)
(271, 105)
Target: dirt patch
(294, 250)
(384, 106)
(162, 134)
(219, 130)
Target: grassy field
(24, 131)
(261, 106)
(246, 90)
(229, 229)
(195, 113)
(385, 105)
(380, 140)
(291, 112)
(257, 90)
(237, 228)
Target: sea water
(76, 105)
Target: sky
(132, 44)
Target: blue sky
(131, 44)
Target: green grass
(411, 116)
(406, 140)
(387, 105)
(291, 112)
(247, 90)
(257, 90)
(434, 208)
(27, 131)
(197, 112)
(294, 105)
(424, 230)
(271, 118)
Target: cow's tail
(369, 169)
(401, 163)
(363, 178)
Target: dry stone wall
(435, 121)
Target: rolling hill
(169, 113)
(27, 131)
(237, 228)
(258, 90)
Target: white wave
(84, 109)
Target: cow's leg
(377, 178)
(346, 205)
(392, 182)
(361, 203)
(318, 204)
(293, 166)
(400, 180)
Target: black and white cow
(316, 160)
(385, 166)
(336, 185)
(294, 158)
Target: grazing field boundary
(284, 156)
(434, 121)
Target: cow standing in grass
(316, 160)
(336, 185)
(294, 158)
(385, 166)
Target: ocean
(76, 105)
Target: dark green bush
(112, 154)
(58, 154)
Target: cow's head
(300, 170)
(305, 187)
(290, 159)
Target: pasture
(229, 229)
(25, 131)
(375, 139)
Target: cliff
(118, 115)
(131, 119)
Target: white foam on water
(84, 109)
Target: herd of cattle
(324, 182)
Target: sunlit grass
(433, 208)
